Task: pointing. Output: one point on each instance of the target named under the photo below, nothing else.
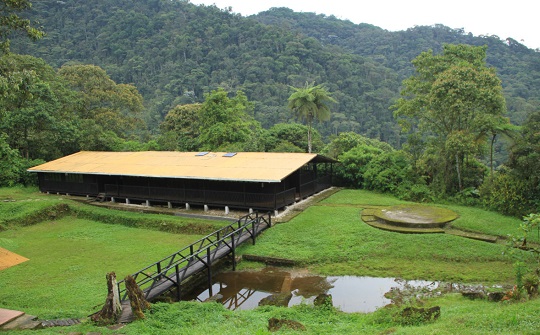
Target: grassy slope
(30, 207)
(18, 202)
(470, 218)
(330, 238)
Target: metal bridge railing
(175, 268)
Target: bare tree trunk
(458, 173)
(309, 138)
(136, 298)
(112, 309)
(491, 154)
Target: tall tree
(502, 127)
(525, 157)
(291, 136)
(348, 140)
(452, 99)
(224, 123)
(310, 103)
(10, 22)
(180, 129)
(515, 188)
(111, 106)
(36, 110)
(10, 163)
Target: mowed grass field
(70, 254)
(328, 238)
(68, 260)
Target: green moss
(415, 213)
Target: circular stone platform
(409, 218)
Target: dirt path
(9, 259)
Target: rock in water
(280, 299)
(323, 299)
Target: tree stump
(136, 298)
(112, 309)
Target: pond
(245, 289)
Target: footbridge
(170, 272)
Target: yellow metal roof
(243, 166)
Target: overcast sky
(518, 19)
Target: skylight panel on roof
(230, 154)
(202, 153)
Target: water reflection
(244, 290)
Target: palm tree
(309, 103)
(508, 131)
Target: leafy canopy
(10, 22)
(224, 123)
(37, 108)
(111, 106)
(453, 100)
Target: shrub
(414, 192)
(26, 178)
(10, 163)
(506, 194)
(467, 197)
(353, 165)
(387, 171)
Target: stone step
(414, 225)
(22, 322)
(60, 323)
(8, 315)
(405, 230)
(474, 236)
(369, 218)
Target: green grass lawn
(334, 240)
(470, 218)
(70, 256)
(17, 203)
(71, 246)
(458, 316)
(68, 260)
(486, 222)
(330, 238)
(361, 197)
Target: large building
(254, 180)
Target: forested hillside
(517, 65)
(174, 52)
(418, 113)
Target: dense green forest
(174, 52)
(170, 75)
